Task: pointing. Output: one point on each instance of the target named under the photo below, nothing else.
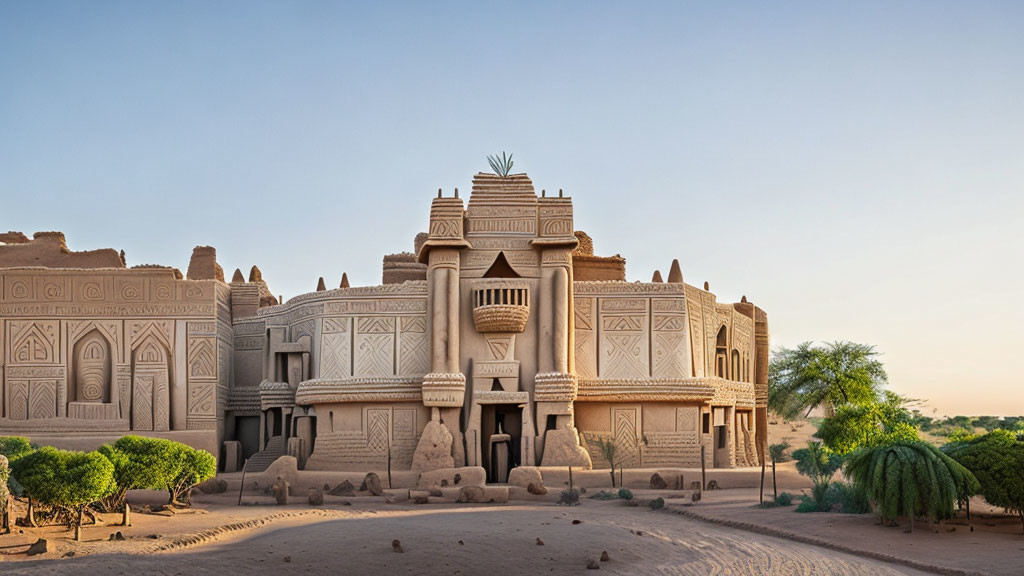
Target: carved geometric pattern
(332, 325)
(17, 399)
(669, 355)
(161, 402)
(405, 424)
(414, 324)
(201, 398)
(669, 322)
(413, 357)
(624, 433)
(42, 399)
(378, 424)
(335, 355)
(498, 346)
(584, 308)
(374, 354)
(142, 403)
(201, 359)
(686, 422)
(586, 363)
(377, 325)
(622, 323)
(624, 356)
(34, 343)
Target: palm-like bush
(909, 478)
(502, 165)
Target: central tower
(500, 280)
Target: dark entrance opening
(501, 419)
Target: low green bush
(569, 497)
(848, 498)
(625, 494)
(807, 504)
(784, 499)
(605, 495)
(657, 503)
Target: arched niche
(92, 370)
(151, 401)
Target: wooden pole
(241, 487)
(703, 474)
(762, 480)
(775, 483)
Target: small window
(551, 422)
(707, 423)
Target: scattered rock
(287, 558)
(639, 532)
(540, 542)
(280, 490)
(372, 485)
(213, 486)
(534, 488)
(396, 546)
(657, 482)
(695, 497)
(523, 476)
(315, 497)
(444, 482)
(593, 565)
(434, 450)
(116, 536)
(457, 478)
(713, 485)
(604, 556)
(344, 489)
(461, 543)
(40, 546)
(472, 495)
(577, 521)
(153, 536)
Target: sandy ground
(482, 539)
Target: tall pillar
(761, 352)
(560, 320)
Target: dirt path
(494, 541)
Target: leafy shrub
(657, 504)
(807, 504)
(910, 479)
(849, 498)
(868, 424)
(569, 497)
(996, 460)
(819, 464)
(196, 466)
(784, 499)
(605, 495)
(65, 479)
(625, 494)
(14, 447)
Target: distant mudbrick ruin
(501, 341)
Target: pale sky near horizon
(856, 169)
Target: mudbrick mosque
(502, 340)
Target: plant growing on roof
(501, 165)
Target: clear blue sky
(857, 169)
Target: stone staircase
(261, 460)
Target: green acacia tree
(819, 464)
(829, 375)
(872, 423)
(997, 461)
(610, 452)
(65, 479)
(910, 478)
(195, 466)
